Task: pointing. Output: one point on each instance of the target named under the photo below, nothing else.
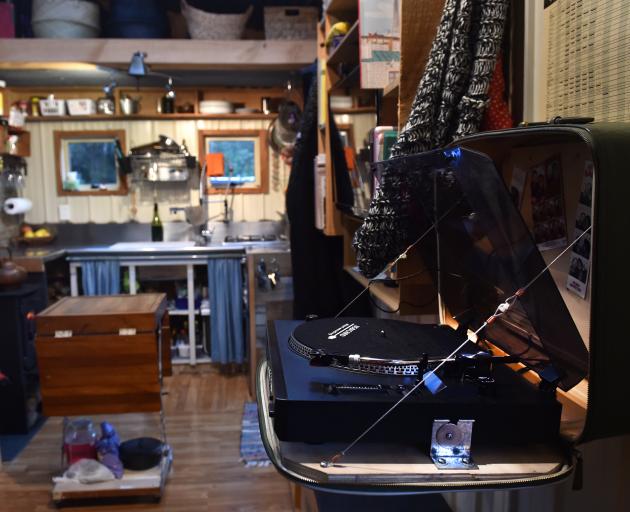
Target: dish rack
(162, 167)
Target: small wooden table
(105, 355)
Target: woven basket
(208, 25)
(297, 23)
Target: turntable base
(303, 408)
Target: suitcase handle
(559, 120)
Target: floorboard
(203, 416)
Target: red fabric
(497, 115)
(7, 29)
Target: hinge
(450, 444)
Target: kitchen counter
(125, 244)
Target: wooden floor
(203, 416)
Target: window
(236, 159)
(87, 162)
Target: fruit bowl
(39, 235)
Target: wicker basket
(208, 25)
(291, 23)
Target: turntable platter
(391, 340)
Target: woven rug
(253, 452)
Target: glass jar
(79, 440)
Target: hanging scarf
(449, 104)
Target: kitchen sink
(151, 246)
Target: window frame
(62, 135)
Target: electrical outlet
(64, 212)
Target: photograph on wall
(580, 262)
(550, 228)
(379, 47)
(517, 185)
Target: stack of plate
(215, 107)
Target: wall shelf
(348, 49)
(154, 117)
(349, 81)
(161, 53)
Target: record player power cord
(501, 310)
(401, 256)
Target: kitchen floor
(203, 417)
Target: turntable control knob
(382, 333)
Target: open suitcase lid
(486, 253)
(472, 178)
(609, 354)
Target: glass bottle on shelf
(168, 100)
(157, 231)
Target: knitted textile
(449, 104)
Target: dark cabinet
(19, 379)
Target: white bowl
(215, 107)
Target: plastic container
(79, 440)
(139, 19)
(65, 19)
(52, 107)
(81, 107)
(209, 25)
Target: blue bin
(140, 19)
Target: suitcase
(548, 184)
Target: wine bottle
(157, 232)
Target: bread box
(101, 355)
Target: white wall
(41, 185)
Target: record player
(312, 389)
(331, 378)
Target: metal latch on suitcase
(450, 444)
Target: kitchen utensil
(141, 453)
(129, 105)
(11, 274)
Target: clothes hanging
(449, 104)
(316, 259)
(100, 277)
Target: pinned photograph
(578, 275)
(547, 201)
(517, 185)
(580, 263)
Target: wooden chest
(100, 355)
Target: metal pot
(129, 105)
(11, 274)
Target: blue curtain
(225, 292)
(100, 277)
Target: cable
(400, 256)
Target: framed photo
(244, 157)
(87, 162)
